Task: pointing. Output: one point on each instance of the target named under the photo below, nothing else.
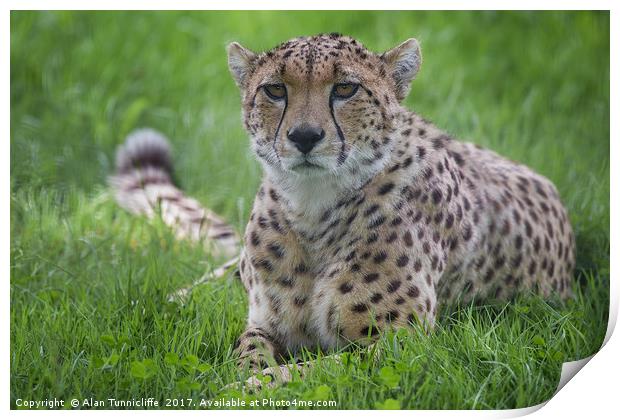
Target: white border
(593, 394)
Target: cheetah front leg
(257, 351)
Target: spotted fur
(387, 218)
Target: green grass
(89, 315)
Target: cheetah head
(323, 106)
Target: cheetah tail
(143, 185)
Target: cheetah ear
(240, 62)
(403, 63)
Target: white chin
(307, 168)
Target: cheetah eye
(345, 90)
(275, 92)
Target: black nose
(305, 137)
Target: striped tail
(143, 185)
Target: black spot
(408, 239)
(536, 244)
(370, 210)
(276, 250)
(467, 233)
(370, 277)
(345, 288)
(264, 264)
(518, 241)
(528, 229)
(300, 300)
(466, 204)
(377, 222)
(359, 308)
(457, 158)
(370, 330)
(380, 257)
(551, 269)
(449, 220)
(394, 168)
(372, 238)
(393, 286)
(386, 188)
(254, 239)
(413, 291)
(402, 261)
(392, 316)
(286, 281)
(301, 268)
(351, 218)
(499, 262)
(376, 298)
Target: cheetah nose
(305, 137)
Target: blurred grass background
(89, 281)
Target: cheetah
(368, 217)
